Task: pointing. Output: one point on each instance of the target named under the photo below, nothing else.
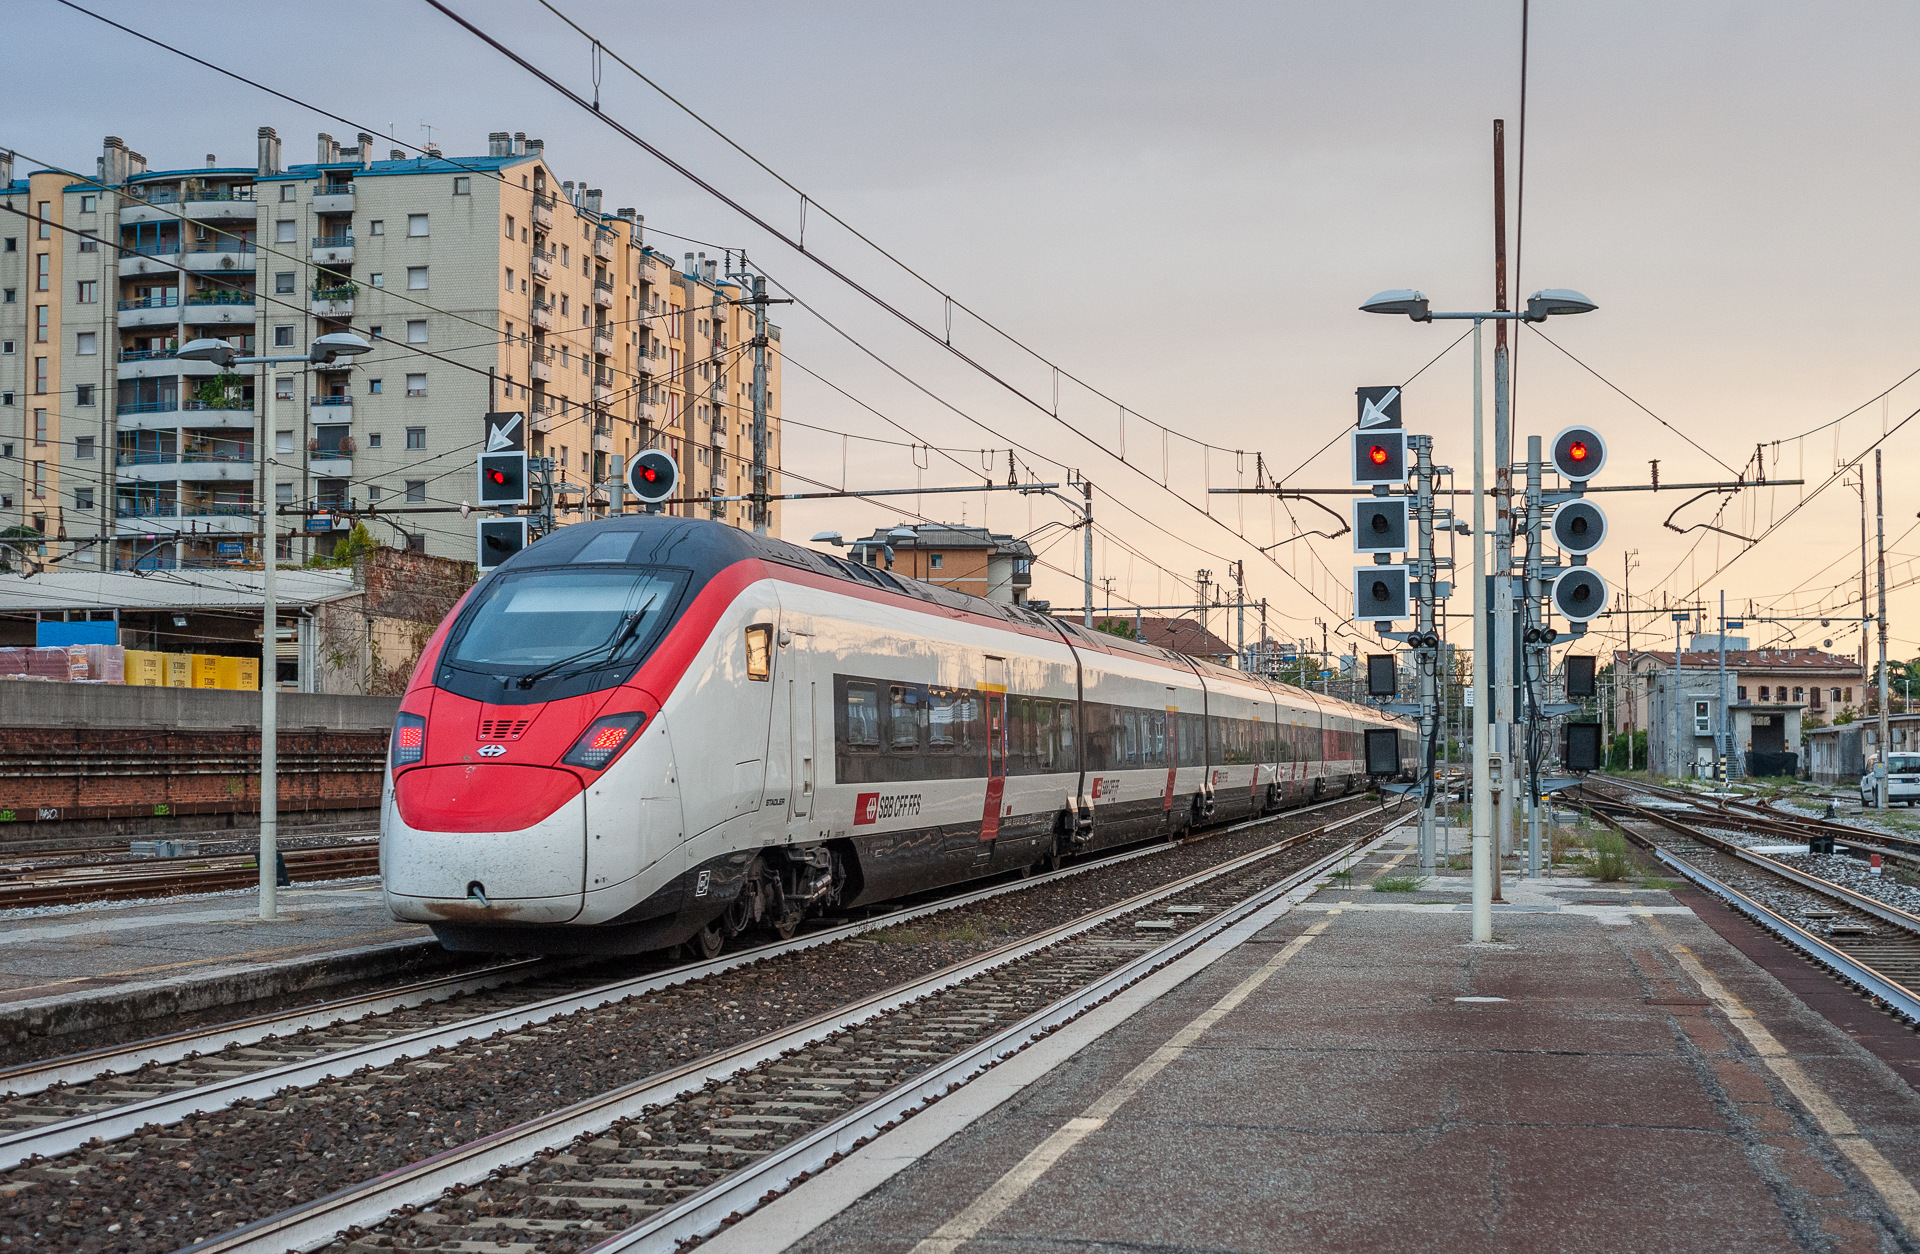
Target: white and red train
(648, 731)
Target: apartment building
(483, 283)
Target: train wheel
(785, 928)
(708, 941)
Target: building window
(1848, 697)
(83, 449)
(89, 243)
(416, 438)
(416, 224)
(462, 185)
(83, 395)
(42, 271)
(566, 256)
(1815, 694)
(283, 231)
(283, 337)
(416, 385)
(39, 479)
(1702, 718)
(283, 493)
(283, 283)
(286, 192)
(1763, 692)
(510, 234)
(83, 498)
(377, 279)
(376, 227)
(86, 292)
(283, 391)
(373, 332)
(39, 376)
(40, 324)
(416, 331)
(563, 306)
(417, 542)
(7, 297)
(86, 344)
(1835, 694)
(373, 441)
(1741, 692)
(936, 560)
(1799, 694)
(373, 494)
(283, 442)
(6, 348)
(373, 387)
(6, 399)
(46, 219)
(417, 278)
(89, 204)
(509, 278)
(416, 491)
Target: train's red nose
(481, 796)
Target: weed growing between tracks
(1396, 883)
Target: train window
(759, 648)
(1156, 747)
(1063, 733)
(863, 717)
(1130, 737)
(554, 625)
(906, 719)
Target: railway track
(257, 1070)
(671, 1155)
(126, 881)
(1871, 942)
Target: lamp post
(1540, 306)
(325, 348)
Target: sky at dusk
(1183, 206)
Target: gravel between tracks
(161, 1188)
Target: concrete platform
(1609, 1074)
(80, 969)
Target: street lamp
(1540, 306)
(324, 349)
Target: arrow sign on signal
(504, 434)
(1379, 407)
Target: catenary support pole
(269, 659)
(1483, 758)
(1880, 543)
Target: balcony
(218, 309)
(155, 206)
(230, 416)
(602, 390)
(603, 245)
(149, 258)
(543, 213)
(165, 517)
(145, 457)
(602, 443)
(603, 294)
(541, 316)
(602, 340)
(333, 250)
(336, 198)
(150, 311)
(540, 365)
(210, 467)
(147, 466)
(215, 256)
(333, 408)
(543, 266)
(138, 408)
(335, 301)
(204, 205)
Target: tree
(358, 543)
(1117, 627)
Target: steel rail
(1897, 996)
(371, 1202)
(117, 1122)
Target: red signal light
(649, 474)
(1578, 450)
(496, 476)
(1377, 455)
(603, 740)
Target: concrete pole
(1533, 651)
(1086, 522)
(269, 661)
(760, 509)
(1678, 619)
(1723, 770)
(1880, 540)
(1483, 758)
(1427, 659)
(616, 485)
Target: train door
(994, 690)
(803, 692)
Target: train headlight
(603, 740)
(409, 740)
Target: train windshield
(564, 629)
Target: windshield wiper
(621, 635)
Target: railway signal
(1379, 593)
(499, 539)
(1581, 748)
(1379, 457)
(503, 479)
(1580, 675)
(653, 476)
(1579, 527)
(1383, 676)
(1580, 594)
(1380, 524)
(1579, 453)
